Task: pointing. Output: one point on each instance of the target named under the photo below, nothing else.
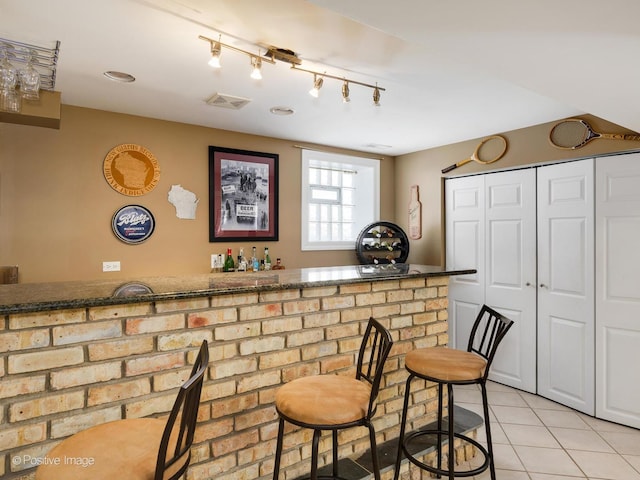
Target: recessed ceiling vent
(227, 101)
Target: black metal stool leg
(314, 454)
(335, 453)
(439, 444)
(374, 453)
(403, 422)
(487, 423)
(452, 449)
(276, 464)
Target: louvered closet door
(510, 265)
(464, 205)
(566, 284)
(618, 289)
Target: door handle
(542, 285)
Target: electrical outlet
(110, 266)
(214, 260)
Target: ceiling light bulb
(376, 97)
(216, 48)
(256, 62)
(345, 92)
(317, 85)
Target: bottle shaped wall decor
(415, 214)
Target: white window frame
(366, 194)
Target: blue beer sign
(133, 224)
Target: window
(340, 196)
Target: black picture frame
(243, 195)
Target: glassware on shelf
(9, 99)
(30, 79)
(8, 74)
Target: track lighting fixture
(317, 85)
(345, 92)
(256, 63)
(287, 56)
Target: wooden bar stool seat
(335, 402)
(105, 451)
(448, 367)
(324, 400)
(446, 364)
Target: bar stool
(133, 448)
(335, 402)
(449, 367)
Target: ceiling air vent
(227, 101)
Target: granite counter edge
(105, 301)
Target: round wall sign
(131, 169)
(133, 224)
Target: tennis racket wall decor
(489, 150)
(575, 133)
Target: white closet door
(566, 327)
(618, 289)
(510, 199)
(465, 227)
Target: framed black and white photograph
(243, 195)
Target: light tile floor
(537, 439)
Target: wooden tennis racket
(489, 150)
(575, 133)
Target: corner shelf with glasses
(382, 243)
(36, 70)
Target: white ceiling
(452, 71)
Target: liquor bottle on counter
(267, 259)
(255, 263)
(242, 262)
(278, 265)
(229, 266)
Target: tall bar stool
(335, 402)
(451, 367)
(133, 448)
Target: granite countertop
(35, 297)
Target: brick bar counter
(76, 354)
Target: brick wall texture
(64, 371)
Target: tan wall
(56, 207)
(525, 147)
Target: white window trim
(348, 162)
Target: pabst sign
(133, 224)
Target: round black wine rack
(382, 243)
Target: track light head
(317, 85)
(345, 92)
(256, 63)
(376, 96)
(216, 49)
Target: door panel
(490, 226)
(566, 265)
(566, 344)
(464, 204)
(618, 289)
(565, 284)
(511, 272)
